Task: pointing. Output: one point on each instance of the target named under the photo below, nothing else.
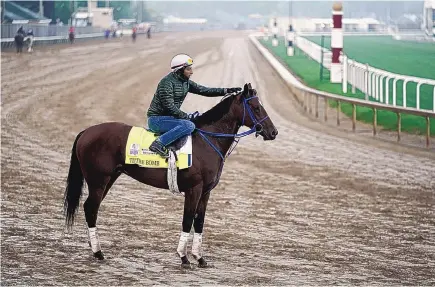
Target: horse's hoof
(202, 263)
(99, 255)
(184, 260)
(185, 263)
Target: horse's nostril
(275, 133)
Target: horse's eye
(257, 109)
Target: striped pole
(336, 42)
(265, 33)
(290, 40)
(429, 17)
(275, 34)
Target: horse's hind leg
(91, 206)
(111, 182)
(198, 225)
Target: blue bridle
(257, 124)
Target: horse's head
(254, 115)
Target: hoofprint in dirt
(313, 207)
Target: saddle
(137, 150)
(176, 145)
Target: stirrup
(159, 148)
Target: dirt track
(317, 206)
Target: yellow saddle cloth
(137, 152)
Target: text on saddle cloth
(137, 151)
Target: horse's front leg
(190, 203)
(198, 226)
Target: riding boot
(159, 148)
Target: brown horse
(98, 156)
(19, 42)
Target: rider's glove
(232, 90)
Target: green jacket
(172, 91)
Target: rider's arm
(204, 91)
(166, 95)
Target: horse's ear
(245, 89)
(249, 86)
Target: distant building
(325, 24)
(172, 19)
(429, 17)
(93, 16)
(172, 23)
(13, 11)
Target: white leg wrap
(172, 174)
(196, 246)
(93, 238)
(182, 244)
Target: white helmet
(181, 61)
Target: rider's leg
(180, 128)
(172, 130)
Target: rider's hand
(233, 90)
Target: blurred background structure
(214, 15)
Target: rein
(257, 128)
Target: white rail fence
(44, 37)
(376, 84)
(9, 42)
(314, 51)
(309, 98)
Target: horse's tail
(74, 186)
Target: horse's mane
(215, 113)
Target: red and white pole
(275, 33)
(290, 41)
(265, 33)
(336, 42)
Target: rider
(149, 32)
(21, 31)
(164, 114)
(30, 32)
